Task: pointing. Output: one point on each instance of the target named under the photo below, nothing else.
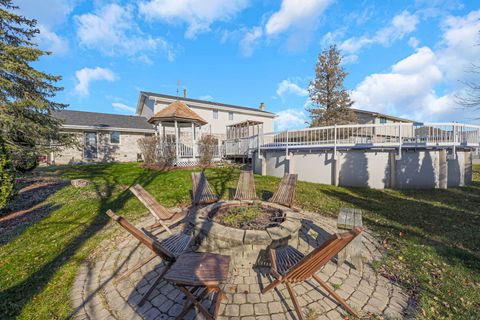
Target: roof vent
(262, 106)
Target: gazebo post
(193, 140)
(177, 137)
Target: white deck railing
(396, 135)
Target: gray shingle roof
(217, 104)
(105, 120)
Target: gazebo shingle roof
(179, 111)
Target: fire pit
(246, 229)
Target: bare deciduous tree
(149, 146)
(470, 98)
(206, 150)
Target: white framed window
(383, 120)
(215, 113)
(115, 137)
(230, 115)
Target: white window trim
(119, 138)
(230, 116)
(215, 114)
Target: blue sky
(405, 58)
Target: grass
(237, 216)
(431, 236)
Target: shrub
(206, 150)
(167, 155)
(24, 161)
(7, 176)
(148, 146)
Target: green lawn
(431, 236)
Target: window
(230, 116)
(215, 113)
(383, 120)
(115, 137)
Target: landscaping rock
(80, 183)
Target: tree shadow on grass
(14, 299)
(28, 206)
(450, 231)
(221, 180)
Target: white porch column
(177, 137)
(193, 141)
(159, 128)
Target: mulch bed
(27, 205)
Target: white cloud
(51, 41)
(199, 15)
(206, 97)
(460, 45)
(112, 30)
(86, 75)
(413, 42)
(423, 86)
(288, 87)
(290, 119)
(401, 25)
(296, 13)
(123, 107)
(249, 40)
(408, 86)
(50, 15)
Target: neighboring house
(217, 115)
(367, 117)
(101, 137)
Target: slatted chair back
(246, 186)
(201, 191)
(155, 208)
(285, 194)
(316, 259)
(150, 243)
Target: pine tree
(26, 123)
(331, 102)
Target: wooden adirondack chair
(201, 190)
(164, 218)
(291, 266)
(285, 194)
(246, 186)
(168, 249)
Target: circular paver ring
(96, 294)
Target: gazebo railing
(188, 151)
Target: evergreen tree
(26, 123)
(331, 102)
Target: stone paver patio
(96, 294)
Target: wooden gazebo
(171, 122)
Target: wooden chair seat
(201, 191)
(177, 243)
(285, 258)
